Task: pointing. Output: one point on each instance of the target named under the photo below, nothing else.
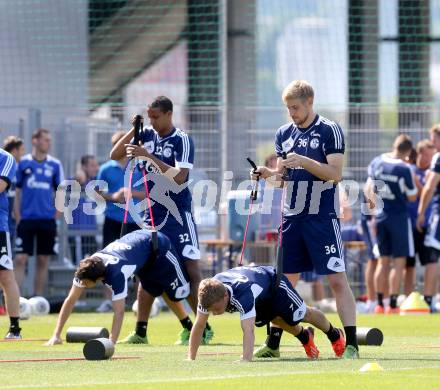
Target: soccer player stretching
(252, 291)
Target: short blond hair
(298, 89)
(424, 144)
(435, 129)
(210, 291)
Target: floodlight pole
(223, 93)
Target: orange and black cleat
(339, 345)
(310, 347)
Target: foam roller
(98, 349)
(369, 336)
(84, 334)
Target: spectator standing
(112, 172)
(394, 234)
(431, 191)
(83, 246)
(15, 146)
(8, 284)
(38, 177)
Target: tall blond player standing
(314, 148)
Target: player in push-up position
(253, 292)
(151, 258)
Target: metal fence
(222, 142)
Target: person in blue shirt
(431, 194)
(38, 177)
(8, 283)
(159, 270)
(83, 245)
(314, 148)
(15, 146)
(168, 154)
(113, 173)
(391, 177)
(424, 152)
(270, 220)
(252, 291)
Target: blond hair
(298, 89)
(210, 291)
(435, 129)
(424, 144)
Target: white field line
(209, 378)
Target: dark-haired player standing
(169, 152)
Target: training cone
(414, 304)
(372, 366)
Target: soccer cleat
(207, 336)
(183, 337)
(134, 338)
(265, 351)
(310, 347)
(339, 345)
(350, 352)
(390, 310)
(13, 336)
(379, 309)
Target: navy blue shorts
(183, 236)
(285, 303)
(6, 252)
(312, 243)
(167, 274)
(368, 238)
(394, 236)
(44, 231)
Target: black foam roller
(98, 349)
(369, 336)
(84, 334)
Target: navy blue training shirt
(307, 194)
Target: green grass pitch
(410, 357)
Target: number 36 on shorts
(330, 249)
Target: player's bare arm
(118, 151)
(330, 171)
(118, 318)
(370, 195)
(426, 196)
(196, 335)
(17, 204)
(179, 175)
(3, 185)
(248, 325)
(66, 310)
(115, 197)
